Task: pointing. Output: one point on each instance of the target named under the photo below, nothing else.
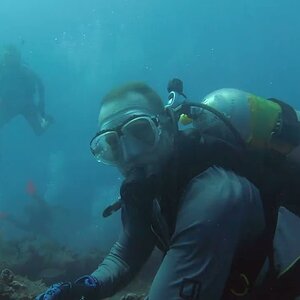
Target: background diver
(18, 87)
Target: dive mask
(137, 136)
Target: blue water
(81, 49)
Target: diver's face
(134, 134)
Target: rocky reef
(29, 265)
(13, 287)
(38, 258)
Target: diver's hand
(57, 291)
(46, 121)
(87, 287)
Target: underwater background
(81, 49)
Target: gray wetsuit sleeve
(219, 213)
(127, 256)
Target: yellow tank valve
(185, 119)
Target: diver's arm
(40, 90)
(36, 80)
(125, 259)
(41, 95)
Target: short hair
(142, 88)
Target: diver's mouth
(146, 168)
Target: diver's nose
(129, 149)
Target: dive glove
(57, 291)
(86, 286)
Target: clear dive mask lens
(143, 129)
(134, 138)
(106, 147)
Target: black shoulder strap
(290, 127)
(194, 154)
(245, 269)
(197, 152)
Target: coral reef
(37, 258)
(14, 287)
(39, 263)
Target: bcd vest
(194, 154)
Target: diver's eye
(141, 129)
(111, 141)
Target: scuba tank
(237, 116)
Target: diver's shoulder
(220, 182)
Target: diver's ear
(171, 122)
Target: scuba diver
(198, 197)
(18, 87)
